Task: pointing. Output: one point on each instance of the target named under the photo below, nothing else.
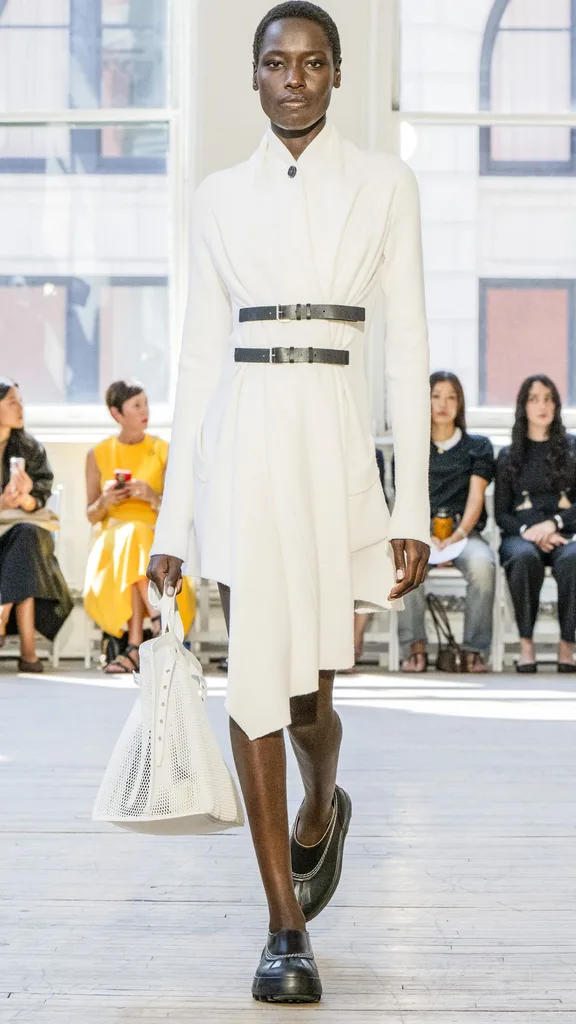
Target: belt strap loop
(291, 353)
(308, 311)
(299, 311)
(310, 355)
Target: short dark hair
(447, 377)
(307, 11)
(120, 391)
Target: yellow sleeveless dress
(122, 542)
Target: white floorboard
(458, 897)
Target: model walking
(272, 475)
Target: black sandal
(124, 670)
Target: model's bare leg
(261, 767)
(316, 735)
(26, 629)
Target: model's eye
(274, 64)
(316, 64)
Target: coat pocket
(368, 516)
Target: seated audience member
(535, 510)
(124, 483)
(461, 467)
(33, 593)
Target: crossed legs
(315, 734)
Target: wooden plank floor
(458, 898)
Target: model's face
(12, 410)
(295, 73)
(135, 414)
(444, 403)
(540, 407)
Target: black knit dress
(28, 565)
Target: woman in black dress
(33, 593)
(536, 512)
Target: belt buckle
(279, 314)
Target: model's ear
(255, 78)
(338, 77)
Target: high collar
(315, 153)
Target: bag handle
(169, 615)
(441, 622)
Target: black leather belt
(336, 356)
(302, 311)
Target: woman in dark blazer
(535, 506)
(33, 593)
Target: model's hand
(411, 562)
(165, 571)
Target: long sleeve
(42, 476)
(38, 468)
(207, 329)
(507, 521)
(407, 361)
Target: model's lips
(295, 101)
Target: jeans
(524, 563)
(477, 564)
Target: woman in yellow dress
(124, 516)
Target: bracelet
(463, 533)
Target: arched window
(528, 65)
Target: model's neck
(443, 431)
(297, 141)
(536, 433)
(5, 434)
(130, 437)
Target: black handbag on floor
(450, 656)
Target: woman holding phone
(33, 592)
(124, 484)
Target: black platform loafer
(287, 972)
(316, 870)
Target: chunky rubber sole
(287, 990)
(338, 874)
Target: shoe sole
(336, 880)
(286, 999)
(287, 991)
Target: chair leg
(55, 653)
(87, 642)
(393, 645)
(498, 623)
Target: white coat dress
(272, 485)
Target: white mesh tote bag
(166, 775)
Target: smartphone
(122, 477)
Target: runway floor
(457, 902)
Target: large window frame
(83, 421)
(86, 67)
(492, 419)
(520, 168)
